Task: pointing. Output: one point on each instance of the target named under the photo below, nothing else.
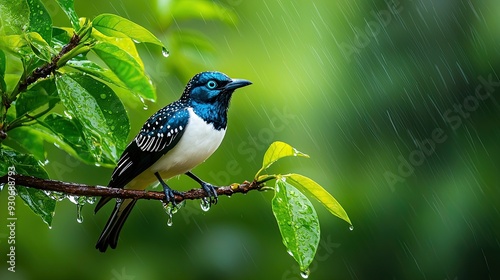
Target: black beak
(236, 83)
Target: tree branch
(86, 190)
(50, 67)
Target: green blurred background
(359, 86)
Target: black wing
(159, 135)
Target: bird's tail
(109, 236)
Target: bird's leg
(209, 188)
(169, 193)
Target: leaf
(206, 10)
(29, 140)
(126, 68)
(69, 8)
(15, 17)
(61, 36)
(3, 86)
(95, 70)
(116, 26)
(192, 39)
(276, 151)
(16, 45)
(39, 46)
(40, 20)
(297, 221)
(320, 194)
(67, 135)
(99, 110)
(43, 92)
(24, 164)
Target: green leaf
(26, 45)
(15, 17)
(116, 26)
(126, 68)
(297, 221)
(24, 164)
(29, 140)
(16, 45)
(192, 39)
(206, 10)
(3, 62)
(40, 20)
(67, 134)
(95, 70)
(69, 8)
(61, 36)
(276, 151)
(42, 93)
(320, 194)
(39, 46)
(99, 110)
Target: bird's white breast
(199, 141)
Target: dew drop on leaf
(305, 274)
(165, 52)
(351, 228)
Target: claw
(169, 193)
(211, 192)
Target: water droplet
(79, 216)
(170, 210)
(103, 96)
(351, 228)
(305, 274)
(165, 52)
(290, 253)
(170, 220)
(205, 204)
(73, 199)
(91, 199)
(1, 186)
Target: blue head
(209, 93)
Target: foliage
(53, 91)
(296, 217)
(61, 96)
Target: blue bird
(173, 141)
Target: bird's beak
(237, 83)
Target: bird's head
(212, 88)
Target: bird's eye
(212, 84)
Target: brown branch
(86, 190)
(50, 67)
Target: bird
(172, 142)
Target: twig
(50, 67)
(86, 190)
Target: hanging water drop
(165, 52)
(351, 228)
(79, 216)
(91, 199)
(204, 204)
(169, 209)
(305, 273)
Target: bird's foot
(211, 192)
(170, 195)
